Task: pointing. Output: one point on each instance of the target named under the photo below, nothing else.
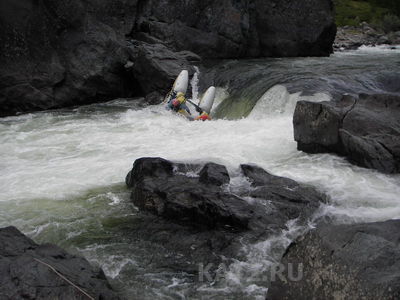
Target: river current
(62, 172)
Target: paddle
(198, 108)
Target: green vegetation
(391, 23)
(376, 12)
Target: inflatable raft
(203, 107)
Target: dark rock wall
(56, 54)
(295, 28)
(209, 28)
(62, 53)
(239, 28)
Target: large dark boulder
(359, 261)
(183, 198)
(364, 129)
(197, 222)
(148, 167)
(32, 271)
(201, 201)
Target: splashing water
(195, 85)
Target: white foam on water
(250, 277)
(379, 48)
(277, 101)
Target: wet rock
(184, 199)
(147, 167)
(366, 130)
(214, 174)
(344, 261)
(290, 199)
(25, 271)
(194, 224)
(181, 248)
(200, 201)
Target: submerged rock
(344, 262)
(290, 199)
(28, 271)
(366, 130)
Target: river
(62, 172)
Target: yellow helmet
(181, 97)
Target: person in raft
(178, 103)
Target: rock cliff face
(57, 53)
(241, 28)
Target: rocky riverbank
(32, 271)
(351, 38)
(57, 54)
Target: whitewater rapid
(62, 178)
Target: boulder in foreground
(191, 212)
(359, 261)
(197, 195)
(26, 271)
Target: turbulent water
(62, 172)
